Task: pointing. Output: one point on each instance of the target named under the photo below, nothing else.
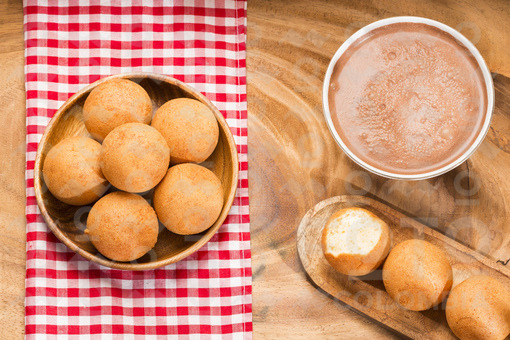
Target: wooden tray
(367, 294)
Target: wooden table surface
(294, 163)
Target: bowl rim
(211, 231)
(489, 85)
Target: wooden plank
(12, 173)
(367, 294)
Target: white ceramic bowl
(460, 38)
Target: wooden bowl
(68, 222)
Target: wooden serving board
(367, 294)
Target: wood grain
(12, 172)
(295, 163)
(284, 106)
(367, 294)
(68, 222)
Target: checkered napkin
(70, 45)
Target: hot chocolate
(407, 98)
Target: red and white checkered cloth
(68, 46)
